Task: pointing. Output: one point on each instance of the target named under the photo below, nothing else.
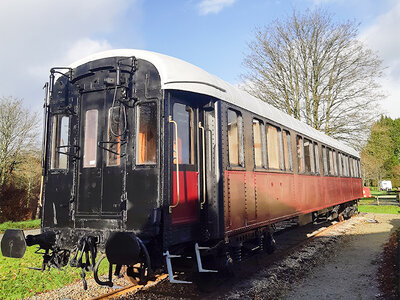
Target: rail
(288, 249)
(132, 288)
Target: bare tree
(18, 133)
(317, 71)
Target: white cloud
(382, 36)
(85, 47)
(37, 35)
(206, 7)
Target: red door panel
(187, 209)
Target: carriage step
(168, 258)
(197, 249)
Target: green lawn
(31, 224)
(18, 282)
(364, 201)
(379, 209)
(378, 193)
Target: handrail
(204, 165)
(176, 156)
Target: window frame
(310, 154)
(241, 160)
(263, 144)
(96, 141)
(286, 133)
(316, 158)
(110, 161)
(278, 143)
(153, 164)
(300, 156)
(58, 118)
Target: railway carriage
(149, 158)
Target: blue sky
(212, 34)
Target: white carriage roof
(180, 75)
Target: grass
(31, 224)
(379, 209)
(365, 201)
(18, 282)
(378, 193)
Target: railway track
(132, 288)
(288, 241)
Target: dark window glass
(60, 137)
(183, 116)
(146, 141)
(90, 142)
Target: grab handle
(176, 157)
(204, 165)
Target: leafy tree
(380, 157)
(20, 165)
(18, 133)
(317, 71)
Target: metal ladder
(169, 256)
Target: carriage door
(100, 178)
(184, 167)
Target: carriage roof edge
(180, 75)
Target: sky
(212, 34)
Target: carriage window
(355, 168)
(146, 142)
(351, 167)
(325, 160)
(300, 154)
(329, 161)
(259, 146)
(287, 150)
(340, 169)
(334, 153)
(273, 147)
(316, 158)
(234, 138)
(115, 128)
(346, 166)
(183, 116)
(308, 156)
(90, 143)
(59, 147)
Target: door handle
(203, 147)
(176, 157)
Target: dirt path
(350, 273)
